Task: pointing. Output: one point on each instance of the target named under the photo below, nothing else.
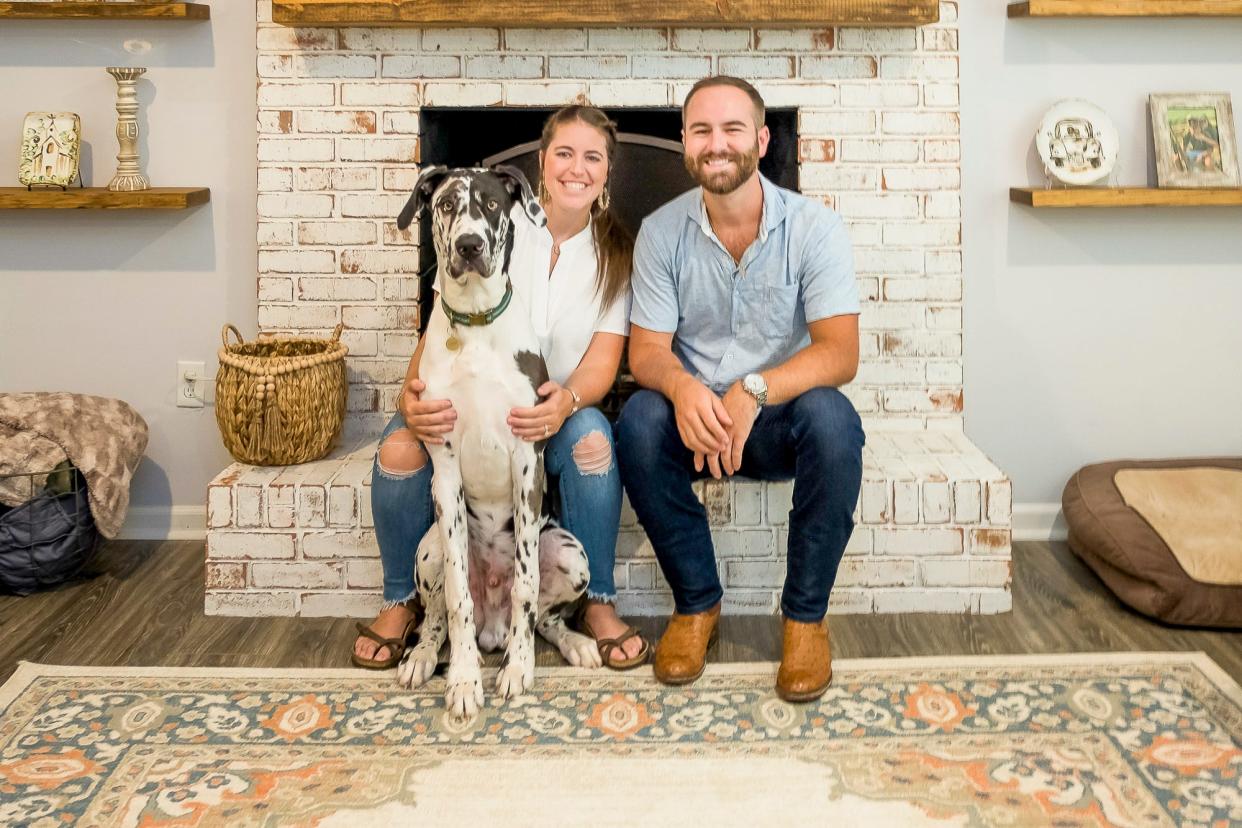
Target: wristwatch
(757, 387)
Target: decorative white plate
(1077, 142)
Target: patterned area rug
(1105, 739)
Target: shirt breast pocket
(781, 306)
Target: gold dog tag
(452, 343)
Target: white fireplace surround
(878, 124)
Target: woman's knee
(589, 437)
(592, 453)
(401, 454)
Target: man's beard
(723, 182)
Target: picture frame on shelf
(1196, 144)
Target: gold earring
(604, 199)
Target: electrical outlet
(191, 380)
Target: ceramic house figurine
(50, 145)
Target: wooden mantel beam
(1126, 8)
(554, 13)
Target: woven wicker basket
(280, 400)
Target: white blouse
(565, 309)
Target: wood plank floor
(141, 603)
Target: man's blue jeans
(588, 505)
(815, 439)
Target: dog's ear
(420, 197)
(519, 190)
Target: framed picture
(50, 145)
(1196, 145)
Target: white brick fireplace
(877, 140)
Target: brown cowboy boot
(806, 661)
(681, 654)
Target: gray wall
(1093, 334)
(1089, 334)
(105, 302)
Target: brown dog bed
(1164, 535)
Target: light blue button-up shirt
(730, 318)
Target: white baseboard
(1038, 522)
(1031, 522)
(165, 523)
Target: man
(744, 324)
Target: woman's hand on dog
(427, 420)
(541, 421)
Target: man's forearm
(657, 368)
(817, 365)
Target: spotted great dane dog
(492, 563)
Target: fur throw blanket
(104, 438)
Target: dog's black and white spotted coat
(492, 564)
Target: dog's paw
(515, 677)
(462, 701)
(580, 650)
(417, 666)
(463, 695)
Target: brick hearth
(932, 535)
(878, 124)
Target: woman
(573, 276)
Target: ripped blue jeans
(588, 504)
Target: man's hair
(727, 80)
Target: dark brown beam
(540, 13)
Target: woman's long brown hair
(614, 246)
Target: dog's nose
(469, 246)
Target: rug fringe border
(28, 671)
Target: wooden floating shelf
(1127, 8)
(101, 198)
(1126, 197)
(540, 13)
(104, 11)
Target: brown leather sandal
(396, 646)
(607, 645)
